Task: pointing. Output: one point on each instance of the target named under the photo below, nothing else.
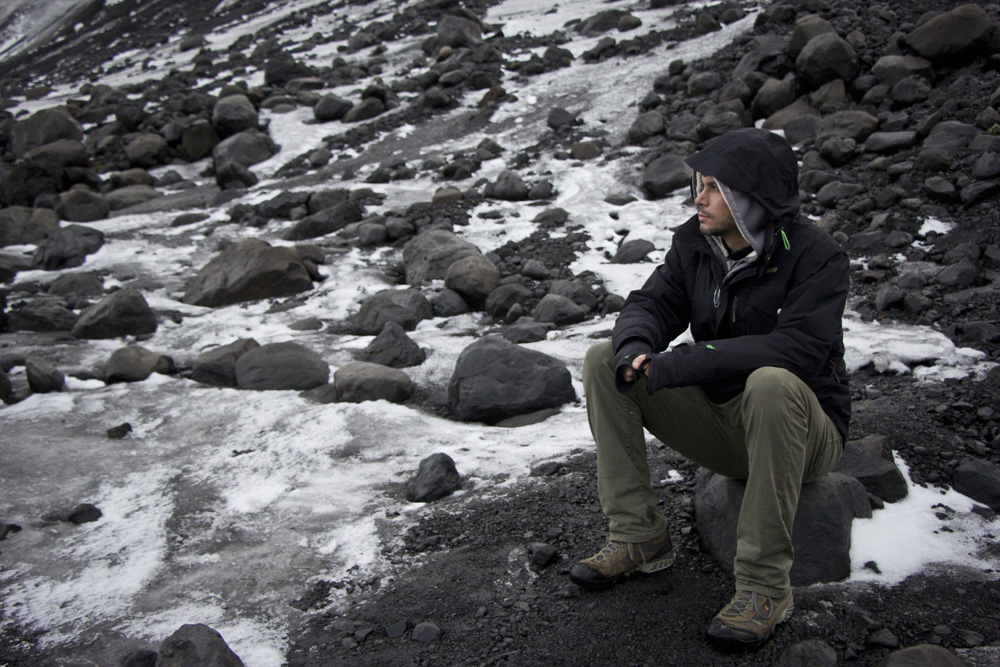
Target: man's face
(714, 216)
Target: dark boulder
(869, 460)
(952, 34)
(495, 379)
(559, 310)
(217, 366)
(331, 107)
(42, 315)
(130, 196)
(147, 150)
(405, 307)
(245, 148)
(923, 655)
(134, 363)
(825, 58)
(429, 255)
(392, 347)
(43, 127)
(43, 377)
(821, 532)
(81, 204)
(474, 277)
(247, 271)
(67, 247)
(196, 646)
(327, 221)
(278, 366)
(502, 299)
(436, 478)
(979, 479)
(361, 381)
(456, 32)
(21, 225)
(664, 175)
(197, 141)
(233, 114)
(633, 252)
(122, 313)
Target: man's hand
(639, 365)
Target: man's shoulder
(806, 232)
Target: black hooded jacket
(780, 307)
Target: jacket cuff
(662, 372)
(628, 351)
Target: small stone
(396, 629)
(542, 555)
(120, 431)
(426, 632)
(8, 529)
(884, 638)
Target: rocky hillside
(892, 107)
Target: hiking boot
(620, 559)
(750, 618)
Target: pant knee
(772, 387)
(771, 380)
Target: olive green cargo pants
(774, 435)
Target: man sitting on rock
(761, 395)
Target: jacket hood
(758, 164)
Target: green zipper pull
(784, 238)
